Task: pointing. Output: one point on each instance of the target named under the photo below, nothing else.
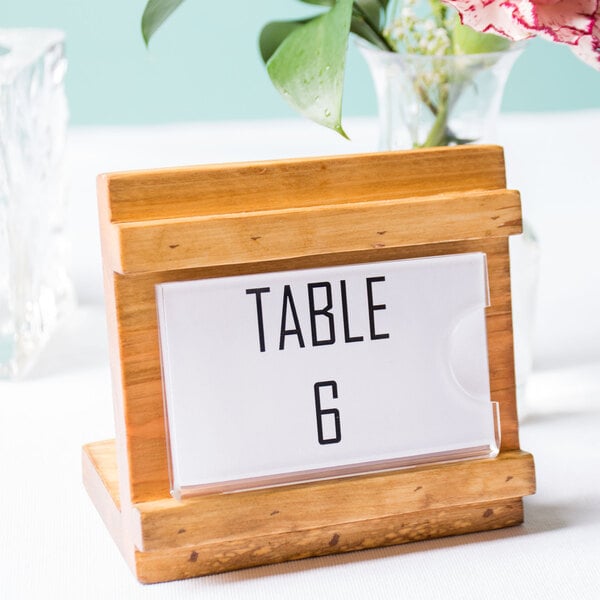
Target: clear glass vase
(35, 290)
(438, 100)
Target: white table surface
(54, 545)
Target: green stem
(426, 100)
(438, 134)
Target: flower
(588, 48)
(572, 22)
(415, 35)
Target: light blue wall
(205, 64)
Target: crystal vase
(437, 100)
(35, 290)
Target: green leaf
(369, 20)
(360, 28)
(468, 41)
(155, 14)
(308, 66)
(273, 34)
(373, 11)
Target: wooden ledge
(395, 507)
(270, 185)
(206, 241)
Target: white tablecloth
(54, 545)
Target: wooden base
(164, 540)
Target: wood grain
(270, 526)
(219, 221)
(193, 561)
(375, 496)
(101, 480)
(185, 243)
(271, 185)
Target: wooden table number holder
(215, 221)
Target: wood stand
(215, 221)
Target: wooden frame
(214, 221)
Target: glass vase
(429, 101)
(35, 290)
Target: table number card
(337, 377)
(299, 375)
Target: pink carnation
(573, 22)
(588, 48)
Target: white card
(289, 376)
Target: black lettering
(373, 307)
(327, 411)
(325, 312)
(288, 300)
(347, 337)
(259, 314)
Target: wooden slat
(100, 470)
(168, 523)
(273, 185)
(172, 244)
(249, 548)
(193, 561)
(101, 480)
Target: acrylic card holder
(301, 375)
(349, 345)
